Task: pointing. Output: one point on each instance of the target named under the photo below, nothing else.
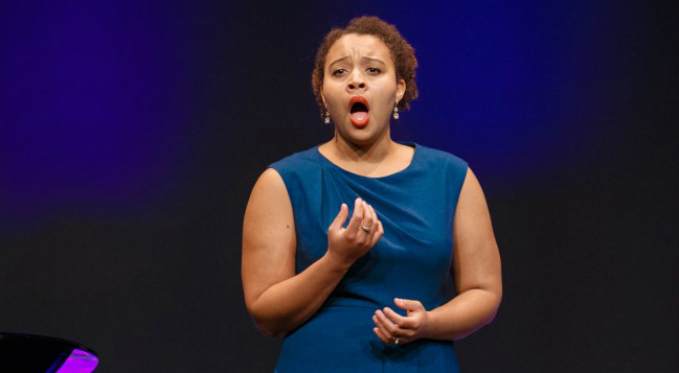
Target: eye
(339, 72)
(373, 70)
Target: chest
(417, 215)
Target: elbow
(490, 317)
(267, 329)
(495, 307)
(491, 304)
(267, 332)
(482, 316)
(264, 323)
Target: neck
(372, 152)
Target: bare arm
(277, 299)
(476, 266)
(477, 270)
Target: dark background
(131, 133)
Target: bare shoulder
(269, 184)
(471, 189)
(269, 205)
(472, 218)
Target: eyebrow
(339, 60)
(363, 58)
(374, 60)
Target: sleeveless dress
(411, 261)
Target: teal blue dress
(412, 260)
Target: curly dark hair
(402, 53)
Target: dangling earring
(395, 114)
(326, 118)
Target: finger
(368, 216)
(392, 329)
(340, 218)
(368, 222)
(409, 305)
(383, 329)
(377, 232)
(401, 321)
(356, 218)
(381, 336)
(391, 333)
(374, 213)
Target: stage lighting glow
(79, 362)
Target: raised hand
(348, 244)
(392, 328)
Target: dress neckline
(415, 157)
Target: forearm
(464, 314)
(289, 303)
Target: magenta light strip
(79, 362)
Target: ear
(320, 92)
(400, 90)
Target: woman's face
(360, 88)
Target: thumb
(409, 305)
(340, 218)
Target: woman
(362, 289)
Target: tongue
(359, 115)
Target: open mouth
(358, 111)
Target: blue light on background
(523, 91)
(508, 88)
(92, 119)
(105, 101)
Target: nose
(356, 82)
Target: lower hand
(392, 328)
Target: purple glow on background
(96, 109)
(79, 362)
(102, 106)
